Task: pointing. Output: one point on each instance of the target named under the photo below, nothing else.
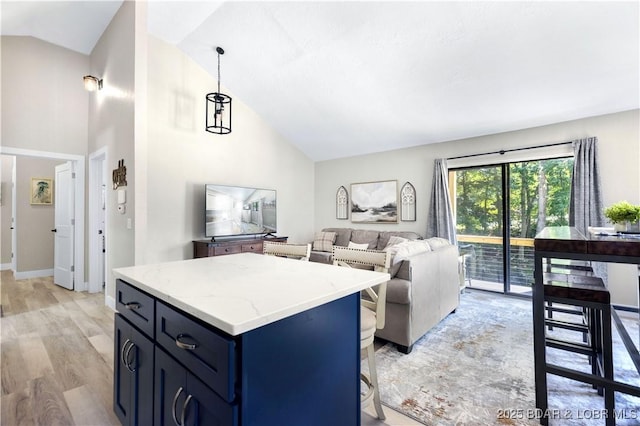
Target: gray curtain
(586, 208)
(440, 221)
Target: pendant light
(218, 107)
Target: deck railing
(486, 259)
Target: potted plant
(623, 215)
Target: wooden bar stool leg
(373, 376)
(607, 364)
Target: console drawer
(217, 251)
(209, 355)
(252, 248)
(136, 306)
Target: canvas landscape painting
(374, 202)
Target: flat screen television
(238, 210)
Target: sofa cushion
(383, 239)
(323, 241)
(392, 241)
(399, 291)
(365, 236)
(358, 246)
(321, 257)
(343, 235)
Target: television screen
(236, 210)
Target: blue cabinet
(300, 370)
(182, 399)
(133, 374)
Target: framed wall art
(342, 203)
(408, 203)
(374, 202)
(41, 191)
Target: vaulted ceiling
(346, 78)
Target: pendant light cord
(218, 72)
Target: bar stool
(565, 266)
(590, 295)
(372, 314)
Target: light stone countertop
(241, 292)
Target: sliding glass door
(527, 196)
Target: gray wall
(33, 222)
(619, 148)
(111, 125)
(182, 158)
(44, 104)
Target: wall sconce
(218, 111)
(92, 83)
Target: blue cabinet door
(133, 374)
(180, 398)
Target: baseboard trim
(5, 266)
(110, 302)
(34, 274)
(627, 308)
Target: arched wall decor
(408, 200)
(342, 203)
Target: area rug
(476, 368)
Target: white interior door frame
(14, 233)
(79, 167)
(98, 175)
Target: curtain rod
(503, 151)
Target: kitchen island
(243, 339)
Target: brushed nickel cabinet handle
(132, 305)
(173, 407)
(126, 357)
(184, 345)
(122, 357)
(184, 409)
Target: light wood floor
(56, 357)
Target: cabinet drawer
(253, 247)
(226, 250)
(208, 354)
(135, 306)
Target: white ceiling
(346, 78)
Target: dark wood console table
(208, 248)
(569, 243)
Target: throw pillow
(393, 240)
(323, 241)
(402, 250)
(435, 243)
(363, 246)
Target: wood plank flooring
(56, 357)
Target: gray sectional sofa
(424, 285)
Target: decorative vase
(620, 227)
(633, 226)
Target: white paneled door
(64, 226)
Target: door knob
(54, 230)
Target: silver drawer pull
(185, 406)
(122, 352)
(132, 305)
(183, 345)
(173, 407)
(126, 358)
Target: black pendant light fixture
(218, 107)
